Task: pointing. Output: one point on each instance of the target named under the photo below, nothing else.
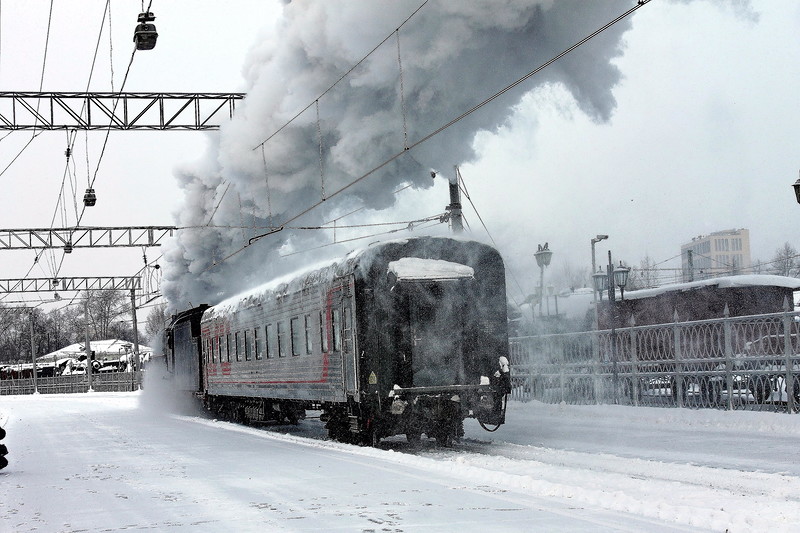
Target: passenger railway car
(403, 337)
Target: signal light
(3, 450)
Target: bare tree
(570, 276)
(644, 277)
(156, 320)
(785, 261)
(105, 307)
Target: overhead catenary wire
(56, 267)
(342, 77)
(440, 129)
(41, 85)
(463, 186)
(362, 237)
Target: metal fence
(728, 363)
(101, 382)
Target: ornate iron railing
(747, 362)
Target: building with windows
(722, 253)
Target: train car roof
(325, 271)
(747, 280)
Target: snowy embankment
(107, 461)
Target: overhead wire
(342, 77)
(41, 85)
(406, 149)
(55, 268)
(463, 186)
(36, 119)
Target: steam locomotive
(403, 337)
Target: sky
(110, 461)
(679, 121)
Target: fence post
(676, 337)
(787, 351)
(635, 385)
(561, 366)
(598, 367)
(726, 329)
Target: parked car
(767, 375)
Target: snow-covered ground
(118, 461)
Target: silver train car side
(404, 337)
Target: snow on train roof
(312, 275)
(748, 280)
(415, 268)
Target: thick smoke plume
(441, 62)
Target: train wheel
(339, 428)
(444, 439)
(414, 438)
(373, 439)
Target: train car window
(268, 336)
(213, 354)
(229, 347)
(323, 337)
(281, 340)
(258, 347)
(347, 330)
(247, 350)
(294, 325)
(336, 325)
(237, 337)
(309, 342)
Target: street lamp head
(796, 187)
(543, 255)
(600, 280)
(599, 238)
(621, 275)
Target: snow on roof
(725, 282)
(415, 268)
(101, 347)
(306, 276)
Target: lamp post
(543, 256)
(621, 279)
(613, 277)
(595, 240)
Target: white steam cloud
(452, 55)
